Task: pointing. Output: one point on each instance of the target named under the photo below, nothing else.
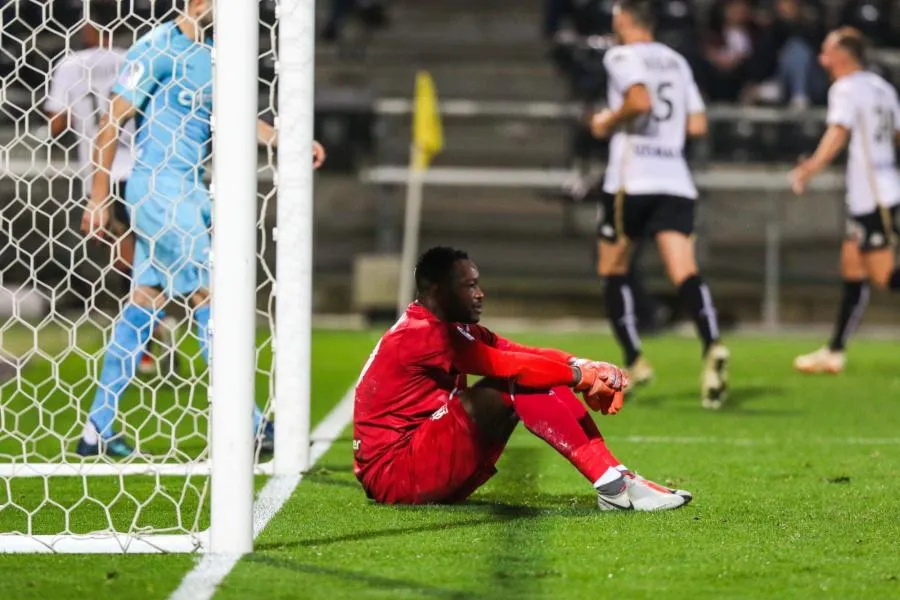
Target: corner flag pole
(428, 140)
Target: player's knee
(881, 280)
(612, 266)
(679, 277)
(612, 258)
(606, 271)
(853, 272)
(489, 405)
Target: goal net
(61, 295)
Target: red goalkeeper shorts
(443, 461)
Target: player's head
(201, 11)
(96, 29)
(447, 283)
(633, 18)
(90, 35)
(843, 50)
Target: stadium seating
(482, 53)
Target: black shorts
(639, 216)
(874, 230)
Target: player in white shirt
(648, 190)
(78, 97)
(863, 112)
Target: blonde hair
(853, 42)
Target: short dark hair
(853, 42)
(642, 11)
(435, 266)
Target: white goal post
(189, 487)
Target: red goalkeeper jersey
(420, 363)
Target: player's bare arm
(832, 143)
(697, 125)
(58, 122)
(636, 104)
(96, 214)
(266, 135)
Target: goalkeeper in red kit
(422, 435)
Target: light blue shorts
(171, 219)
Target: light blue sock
(130, 335)
(201, 317)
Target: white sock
(609, 476)
(167, 329)
(90, 434)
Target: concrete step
(484, 81)
(479, 142)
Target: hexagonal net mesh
(62, 293)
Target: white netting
(60, 295)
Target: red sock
(580, 412)
(546, 415)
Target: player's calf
(622, 318)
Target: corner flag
(428, 137)
(427, 141)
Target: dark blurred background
(516, 79)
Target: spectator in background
(677, 28)
(729, 47)
(585, 17)
(371, 13)
(873, 18)
(791, 31)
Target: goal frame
(231, 391)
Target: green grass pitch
(795, 482)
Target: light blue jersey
(168, 79)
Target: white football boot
(614, 495)
(683, 493)
(639, 373)
(823, 360)
(714, 380)
(648, 496)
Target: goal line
(203, 468)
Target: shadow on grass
(367, 579)
(514, 554)
(485, 512)
(738, 399)
(485, 509)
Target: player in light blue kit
(166, 85)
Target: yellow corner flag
(428, 137)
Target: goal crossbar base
(99, 469)
(104, 543)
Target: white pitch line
(705, 440)
(201, 582)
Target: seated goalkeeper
(166, 84)
(422, 435)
